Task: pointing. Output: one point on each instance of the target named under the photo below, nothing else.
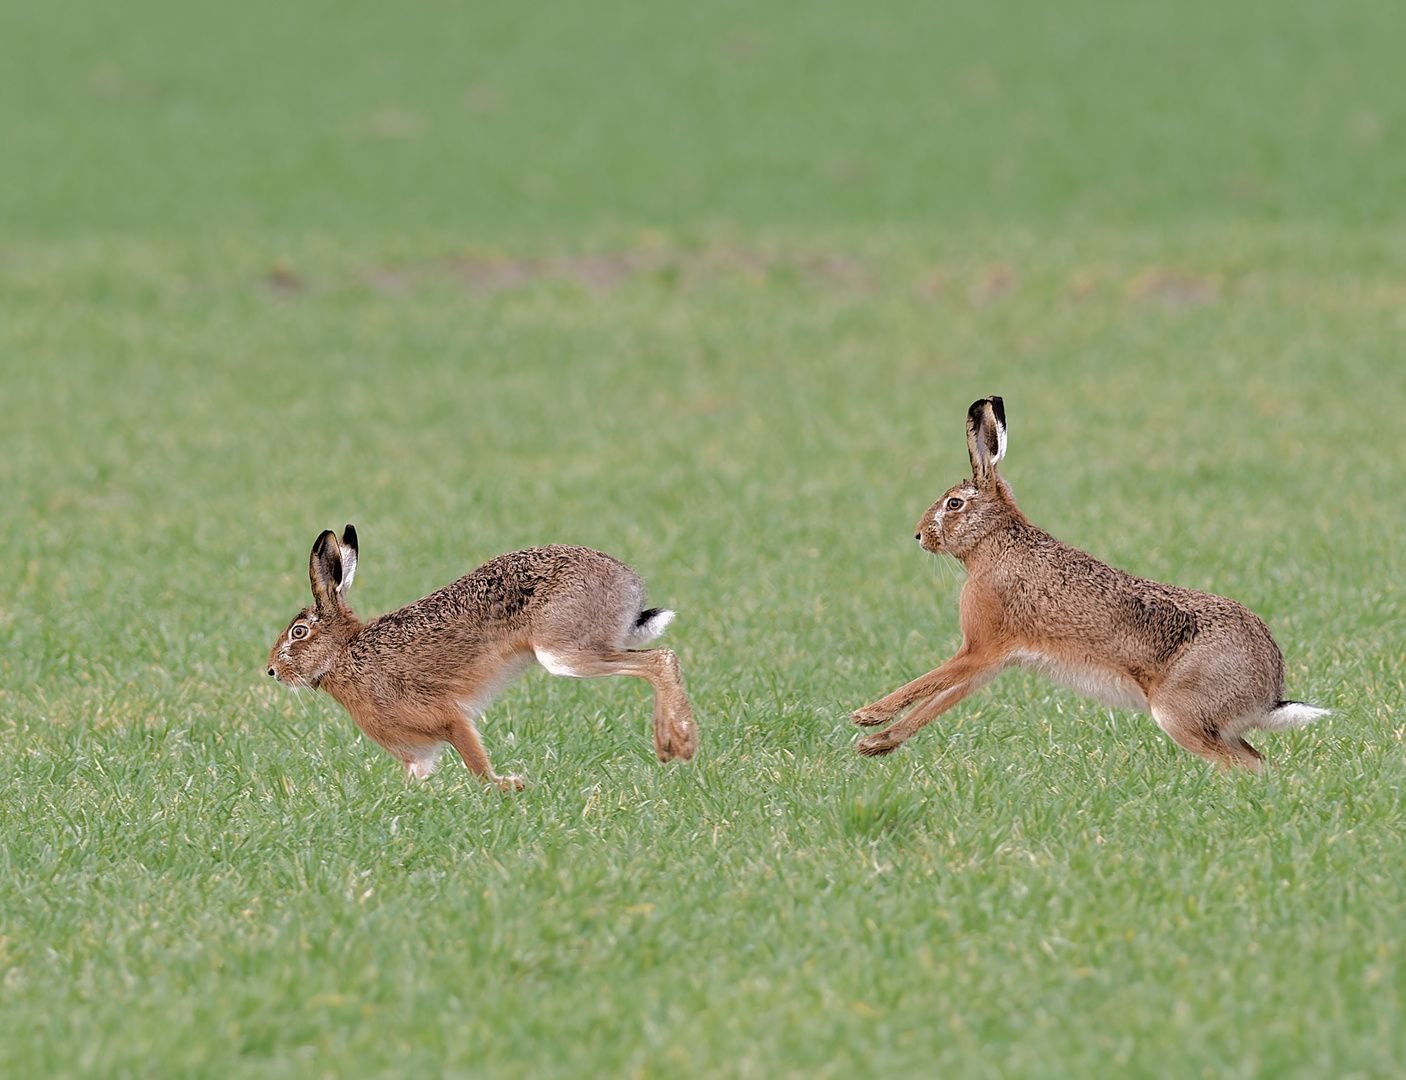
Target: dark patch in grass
(284, 282)
(1174, 290)
(993, 285)
(486, 275)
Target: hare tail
(648, 626)
(1291, 714)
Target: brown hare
(1204, 666)
(417, 678)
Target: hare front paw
(871, 715)
(878, 745)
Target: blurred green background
(485, 118)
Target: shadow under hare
(417, 678)
(1205, 667)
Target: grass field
(490, 119)
(253, 285)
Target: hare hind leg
(1189, 731)
(675, 734)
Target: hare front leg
(891, 705)
(463, 736)
(935, 692)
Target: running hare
(416, 678)
(1206, 668)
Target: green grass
(710, 289)
(205, 874)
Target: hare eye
(954, 503)
(299, 632)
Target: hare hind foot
(675, 733)
(1204, 741)
(1244, 754)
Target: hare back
(458, 638)
(522, 590)
(1078, 612)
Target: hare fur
(417, 678)
(1205, 667)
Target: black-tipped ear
(325, 569)
(986, 436)
(347, 550)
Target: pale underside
(1102, 683)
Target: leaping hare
(1206, 667)
(416, 678)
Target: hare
(1204, 666)
(417, 678)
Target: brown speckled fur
(417, 677)
(1206, 667)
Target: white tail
(649, 626)
(1291, 714)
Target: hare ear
(325, 571)
(347, 550)
(986, 436)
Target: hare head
(975, 508)
(307, 649)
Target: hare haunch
(1204, 666)
(416, 678)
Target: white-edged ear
(998, 412)
(986, 436)
(325, 571)
(346, 548)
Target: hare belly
(488, 678)
(1108, 685)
